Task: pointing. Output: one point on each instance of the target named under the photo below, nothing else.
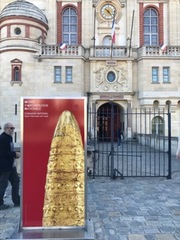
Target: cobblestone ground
(9, 218)
(134, 208)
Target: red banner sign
(41, 118)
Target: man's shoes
(3, 207)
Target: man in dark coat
(119, 136)
(8, 171)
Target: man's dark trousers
(13, 178)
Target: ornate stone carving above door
(111, 78)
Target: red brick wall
(59, 20)
(161, 23)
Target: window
(57, 74)
(107, 41)
(16, 74)
(111, 76)
(16, 69)
(69, 26)
(157, 126)
(166, 75)
(156, 104)
(155, 74)
(151, 27)
(68, 74)
(17, 31)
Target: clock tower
(110, 74)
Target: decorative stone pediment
(16, 60)
(104, 83)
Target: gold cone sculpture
(64, 190)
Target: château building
(125, 51)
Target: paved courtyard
(135, 208)
(132, 208)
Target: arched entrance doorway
(109, 121)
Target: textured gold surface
(64, 203)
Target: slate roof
(23, 8)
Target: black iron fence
(128, 143)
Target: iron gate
(130, 143)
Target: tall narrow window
(155, 74)
(68, 74)
(16, 74)
(16, 71)
(69, 26)
(166, 78)
(157, 126)
(151, 27)
(57, 74)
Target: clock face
(108, 11)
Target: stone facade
(122, 72)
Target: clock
(108, 11)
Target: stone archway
(109, 119)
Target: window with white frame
(57, 74)
(68, 74)
(166, 77)
(155, 74)
(157, 126)
(151, 27)
(107, 42)
(70, 26)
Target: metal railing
(140, 154)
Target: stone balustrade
(108, 51)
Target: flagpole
(131, 33)
(111, 47)
(112, 36)
(94, 39)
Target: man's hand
(17, 155)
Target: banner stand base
(62, 234)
